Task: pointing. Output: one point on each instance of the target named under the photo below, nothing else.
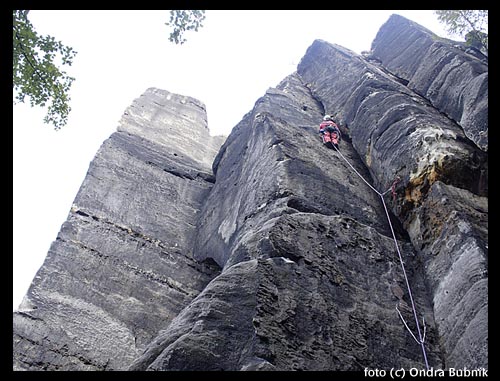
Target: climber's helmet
(327, 117)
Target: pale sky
(228, 64)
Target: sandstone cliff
(122, 266)
(266, 251)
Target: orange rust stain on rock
(417, 186)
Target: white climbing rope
(421, 338)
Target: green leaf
(35, 74)
(182, 21)
(471, 23)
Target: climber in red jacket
(329, 132)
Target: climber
(329, 131)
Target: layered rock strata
(270, 253)
(270, 170)
(310, 278)
(453, 79)
(398, 133)
(121, 267)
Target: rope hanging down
(421, 338)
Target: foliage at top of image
(182, 21)
(35, 72)
(472, 25)
(37, 62)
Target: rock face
(398, 133)
(450, 229)
(279, 256)
(310, 279)
(121, 267)
(454, 81)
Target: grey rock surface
(394, 130)
(121, 267)
(398, 133)
(313, 249)
(267, 251)
(177, 123)
(306, 303)
(273, 163)
(450, 229)
(454, 81)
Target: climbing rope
(392, 188)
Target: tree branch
(25, 54)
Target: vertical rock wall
(270, 253)
(399, 133)
(310, 279)
(121, 267)
(450, 76)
